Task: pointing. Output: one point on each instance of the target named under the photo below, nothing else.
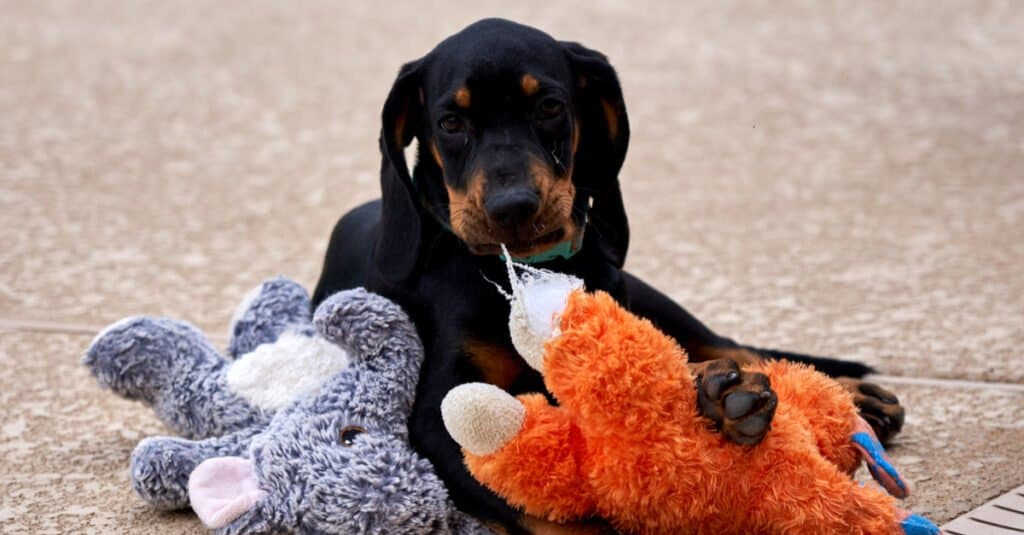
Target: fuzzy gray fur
(316, 484)
(280, 305)
(172, 367)
(376, 485)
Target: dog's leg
(441, 373)
(877, 405)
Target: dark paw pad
(740, 404)
(879, 407)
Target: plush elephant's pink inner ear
(222, 488)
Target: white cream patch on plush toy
(538, 298)
(273, 375)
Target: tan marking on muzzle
(466, 210)
(470, 222)
(556, 198)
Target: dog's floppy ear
(604, 137)
(398, 243)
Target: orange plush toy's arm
(522, 448)
(616, 370)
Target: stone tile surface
(960, 448)
(65, 446)
(845, 181)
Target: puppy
(520, 142)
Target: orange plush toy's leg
(809, 495)
(828, 412)
(824, 406)
(537, 468)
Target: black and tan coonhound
(520, 142)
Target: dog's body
(521, 138)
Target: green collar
(565, 249)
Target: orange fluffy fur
(627, 443)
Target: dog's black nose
(513, 208)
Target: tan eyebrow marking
(529, 84)
(462, 99)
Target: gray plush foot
(161, 465)
(160, 470)
(170, 366)
(136, 356)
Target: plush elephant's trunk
(378, 335)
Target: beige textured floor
(835, 180)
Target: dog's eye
(347, 436)
(452, 123)
(550, 108)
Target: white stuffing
(538, 298)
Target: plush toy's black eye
(348, 435)
(452, 123)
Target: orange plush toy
(627, 443)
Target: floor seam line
(79, 328)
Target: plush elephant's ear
(397, 249)
(266, 312)
(604, 138)
(222, 489)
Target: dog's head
(521, 138)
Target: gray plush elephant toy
(334, 460)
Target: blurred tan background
(837, 180)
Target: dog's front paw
(741, 404)
(879, 407)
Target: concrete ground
(837, 180)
